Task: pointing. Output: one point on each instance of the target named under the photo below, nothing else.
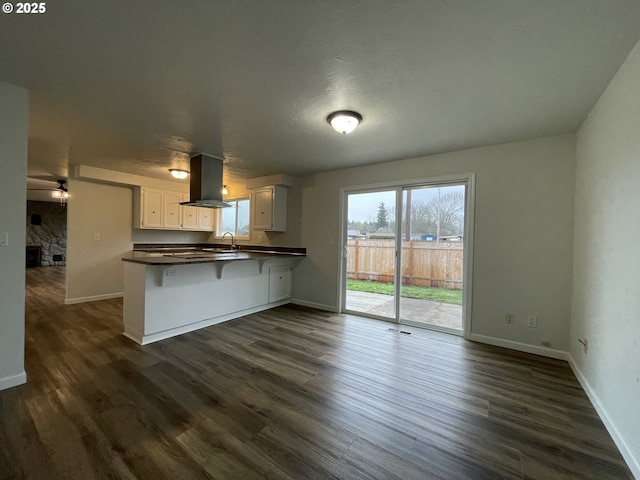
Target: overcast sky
(364, 206)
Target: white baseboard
(632, 462)
(521, 347)
(318, 306)
(134, 335)
(13, 380)
(94, 298)
(173, 332)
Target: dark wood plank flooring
(290, 393)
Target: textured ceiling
(139, 86)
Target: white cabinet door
(197, 218)
(263, 209)
(279, 283)
(270, 209)
(151, 204)
(190, 218)
(157, 209)
(161, 209)
(205, 219)
(172, 210)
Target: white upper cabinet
(190, 218)
(172, 211)
(270, 209)
(160, 209)
(205, 219)
(151, 214)
(197, 218)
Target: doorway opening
(46, 250)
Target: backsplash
(51, 233)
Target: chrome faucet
(233, 245)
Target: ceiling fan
(60, 192)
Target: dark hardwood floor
(290, 393)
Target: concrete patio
(421, 311)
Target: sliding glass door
(432, 240)
(370, 248)
(405, 253)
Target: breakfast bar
(171, 291)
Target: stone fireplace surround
(51, 234)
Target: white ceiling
(138, 86)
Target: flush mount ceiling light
(344, 121)
(179, 174)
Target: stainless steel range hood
(206, 182)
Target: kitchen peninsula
(174, 289)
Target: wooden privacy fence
(424, 264)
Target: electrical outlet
(532, 322)
(96, 236)
(171, 272)
(4, 239)
(509, 318)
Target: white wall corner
(632, 462)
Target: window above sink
(235, 219)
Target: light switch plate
(4, 239)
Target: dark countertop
(174, 254)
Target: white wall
(606, 276)
(94, 268)
(101, 201)
(523, 234)
(14, 118)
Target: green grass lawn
(442, 295)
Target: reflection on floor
(421, 311)
(288, 393)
